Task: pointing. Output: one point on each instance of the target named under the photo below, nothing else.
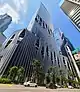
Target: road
(21, 88)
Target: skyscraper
(5, 20)
(35, 42)
(72, 9)
(66, 49)
(2, 39)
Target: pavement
(21, 88)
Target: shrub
(51, 86)
(5, 80)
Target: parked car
(30, 84)
(70, 87)
(58, 86)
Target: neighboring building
(2, 39)
(66, 49)
(72, 9)
(35, 42)
(65, 41)
(5, 20)
(72, 62)
(76, 55)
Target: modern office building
(76, 55)
(72, 9)
(66, 49)
(65, 41)
(2, 39)
(35, 42)
(5, 20)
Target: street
(21, 88)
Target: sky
(22, 11)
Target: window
(42, 52)
(18, 41)
(8, 43)
(40, 22)
(37, 43)
(37, 18)
(0, 57)
(48, 31)
(12, 36)
(58, 62)
(52, 57)
(44, 24)
(47, 51)
(64, 61)
(22, 34)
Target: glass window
(40, 22)
(22, 34)
(44, 24)
(63, 60)
(54, 56)
(51, 56)
(47, 51)
(37, 18)
(12, 36)
(42, 52)
(8, 43)
(58, 62)
(37, 44)
(48, 31)
(0, 57)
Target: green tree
(13, 73)
(20, 75)
(52, 71)
(38, 73)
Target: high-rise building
(5, 20)
(66, 49)
(2, 39)
(72, 9)
(35, 42)
(76, 55)
(65, 41)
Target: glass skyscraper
(5, 20)
(72, 9)
(35, 42)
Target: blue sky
(26, 8)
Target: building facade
(5, 20)
(35, 42)
(72, 9)
(76, 55)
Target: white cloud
(21, 5)
(6, 8)
(17, 9)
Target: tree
(20, 75)
(51, 77)
(61, 76)
(38, 73)
(13, 73)
(47, 78)
(52, 71)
